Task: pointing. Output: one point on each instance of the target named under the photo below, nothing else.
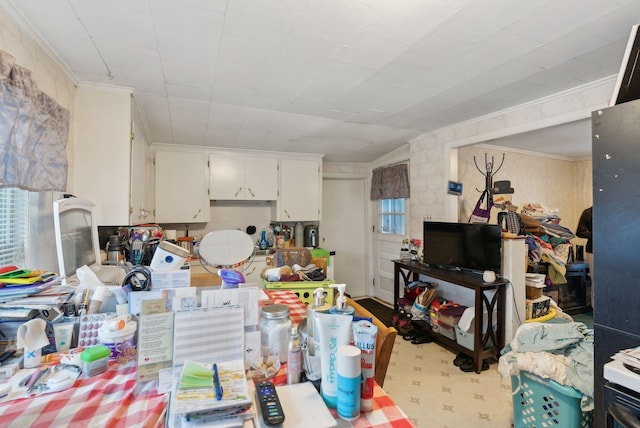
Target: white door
(387, 248)
(343, 230)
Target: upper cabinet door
(227, 177)
(261, 178)
(300, 190)
(235, 177)
(182, 180)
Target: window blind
(14, 226)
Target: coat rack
(489, 172)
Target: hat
(501, 187)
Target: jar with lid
(275, 326)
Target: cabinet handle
(238, 192)
(252, 271)
(287, 213)
(197, 214)
(251, 191)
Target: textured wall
(555, 183)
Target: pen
(216, 383)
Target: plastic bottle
(341, 306)
(263, 244)
(349, 372)
(294, 357)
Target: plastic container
(465, 338)
(95, 360)
(451, 315)
(447, 331)
(119, 341)
(544, 402)
(303, 289)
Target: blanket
(562, 352)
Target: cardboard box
(171, 278)
(536, 308)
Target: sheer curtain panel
(33, 132)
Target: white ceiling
(353, 79)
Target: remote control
(269, 403)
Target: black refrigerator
(616, 237)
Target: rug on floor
(380, 310)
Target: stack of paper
(194, 396)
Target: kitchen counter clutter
(296, 269)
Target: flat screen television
(463, 246)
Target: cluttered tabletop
(67, 361)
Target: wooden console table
(485, 305)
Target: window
(392, 215)
(14, 226)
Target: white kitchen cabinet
(252, 272)
(102, 158)
(181, 187)
(300, 190)
(246, 178)
(112, 164)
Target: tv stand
(489, 299)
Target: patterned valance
(390, 182)
(33, 132)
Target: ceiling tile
(356, 78)
(189, 111)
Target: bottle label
(348, 397)
(294, 361)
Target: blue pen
(216, 383)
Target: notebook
(77, 244)
(302, 406)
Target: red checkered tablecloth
(116, 399)
(112, 399)
(297, 309)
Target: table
(486, 344)
(116, 399)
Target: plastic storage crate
(304, 289)
(543, 403)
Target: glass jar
(275, 326)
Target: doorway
(343, 230)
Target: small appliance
(311, 236)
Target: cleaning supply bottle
(319, 305)
(341, 306)
(294, 357)
(230, 278)
(263, 244)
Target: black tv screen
(463, 246)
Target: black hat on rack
(502, 187)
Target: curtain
(33, 132)
(390, 182)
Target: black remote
(269, 403)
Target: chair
(384, 341)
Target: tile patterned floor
(434, 393)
